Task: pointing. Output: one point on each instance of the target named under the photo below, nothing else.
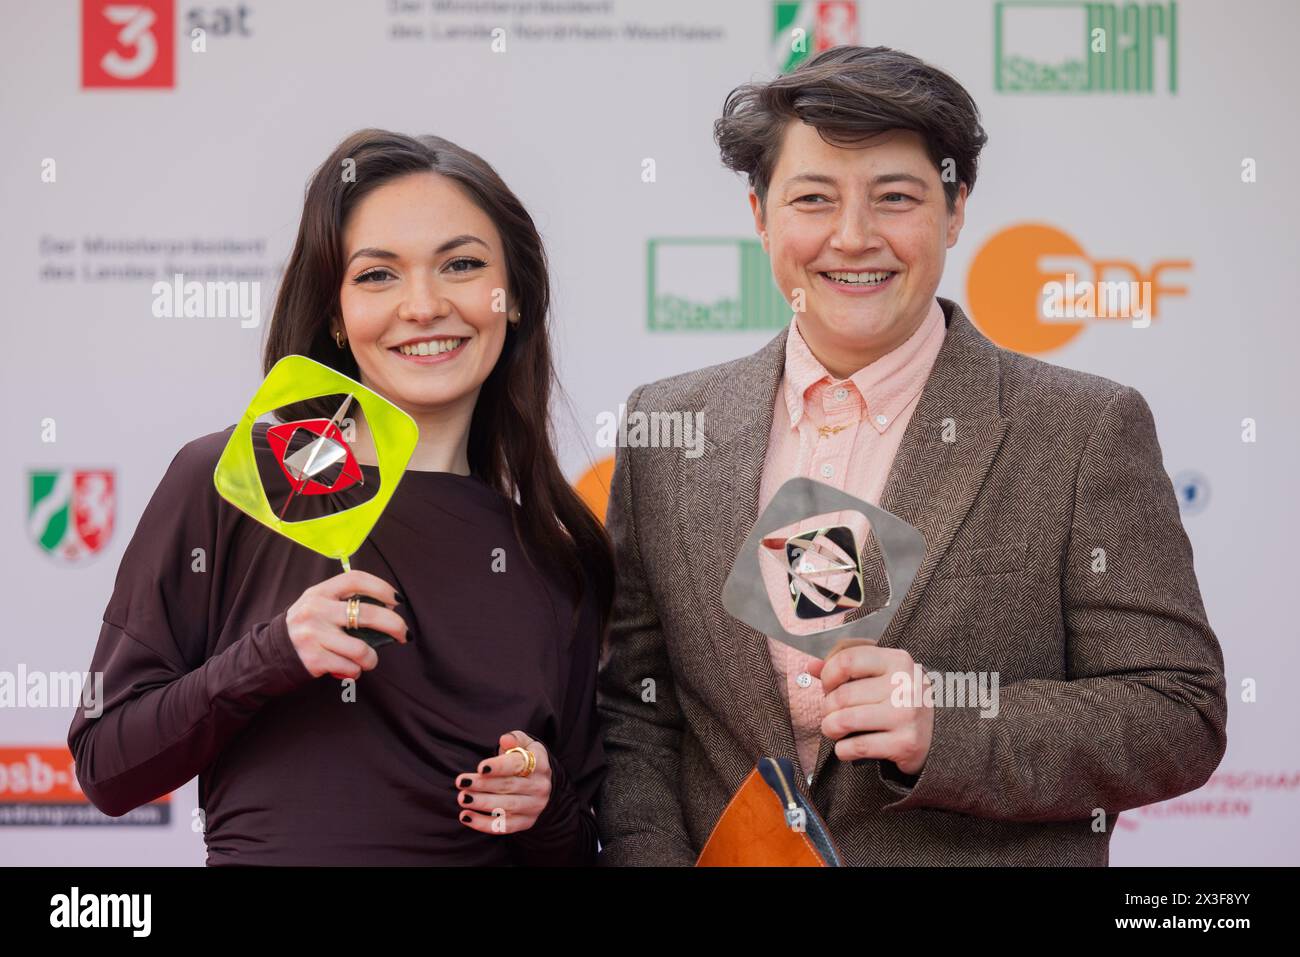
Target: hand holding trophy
(770, 821)
(316, 460)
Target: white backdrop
(207, 175)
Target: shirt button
(841, 394)
(881, 419)
(804, 680)
(827, 470)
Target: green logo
(801, 29)
(711, 284)
(70, 511)
(1071, 47)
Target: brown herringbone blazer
(1111, 683)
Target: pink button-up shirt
(844, 433)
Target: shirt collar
(887, 385)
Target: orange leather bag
(769, 823)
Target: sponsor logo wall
(1133, 218)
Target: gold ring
(529, 757)
(354, 611)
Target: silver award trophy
(814, 558)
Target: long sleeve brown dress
(200, 678)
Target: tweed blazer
(1017, 472)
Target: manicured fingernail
(401, 599)
(463, 783)
(465, 818)
(469, 798)
(487, 769)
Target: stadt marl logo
(715, 284)
(1044, 46)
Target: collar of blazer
(931, 484)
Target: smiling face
(863, 231)
(422, 263)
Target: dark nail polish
(463, 783)
(401, 599)
(487, 769)
(469, 799)
(465, 818)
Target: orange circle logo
(1005, 284)
(593, 486)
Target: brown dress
(200, 678)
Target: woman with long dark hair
(472, 738)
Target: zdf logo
(1032, 288)
(120, 45)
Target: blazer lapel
(722, 506)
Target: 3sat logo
(128, 44)
(133, 45)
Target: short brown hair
(848, 94)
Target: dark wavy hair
(849, 93)
(511, 444)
